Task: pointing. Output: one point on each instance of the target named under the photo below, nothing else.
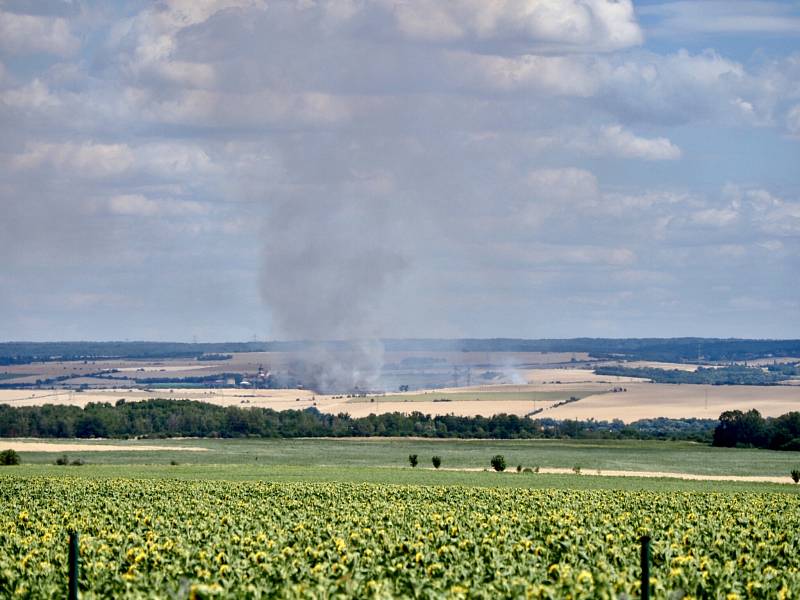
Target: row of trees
(173, 418)
(750, 429)
(732, 375)
(667, 350)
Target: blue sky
(361, 168)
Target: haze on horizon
(383, 168)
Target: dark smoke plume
(327, 267)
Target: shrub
(527, 470)
(175, 462)
(519, 468)
(437, 462)
(576, 469)
(536, 469)
(796, 475)
(498, 462)
(78, 462)
(62, 460)
(413, 460)
(9, 457)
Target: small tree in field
(9, 458)
(796, 475)
(499, 462)
(412, 460)
(437, 462)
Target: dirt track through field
(26, 446)
(656, 474)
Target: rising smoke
(328, 264)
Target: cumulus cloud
(133, 204)
(578, 24)
(715, 217)
(21, 34)
(399, 167)
(565, 183)
(137, 205)
(618, 141)
(35, 95)
(82, 160)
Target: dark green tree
(498, 462)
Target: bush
(498, 462)
(413, 460)
(62, 460)
(175, 462)
(576, 469)
(796, 475)
(527, 470)
(9, 458)
(519, 468)
(78, 462)
(437, 462)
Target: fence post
(645, 559)
(73, 565)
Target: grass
(383, 475)
(590, 455)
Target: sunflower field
(192, 539)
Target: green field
(624, 455)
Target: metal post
(73, 565)
(645, 558)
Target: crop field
(254, 539)
(492, 395)
(680, 401)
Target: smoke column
(328, 263)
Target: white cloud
(539, 254)
(83, 160)
(715, 217)
(565, 184)
(34, 95)
(578, 24)
(558, 75)
(21, 34)
(138, 205)
(620, 142)
(173, 159)
(262, 108)
(133, 205)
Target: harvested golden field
(651, 400)
(277, 399)
(597, 400)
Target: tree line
(179, 418)
(750, 429)
(731, 375)
(660, 349)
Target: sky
(226, 170)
